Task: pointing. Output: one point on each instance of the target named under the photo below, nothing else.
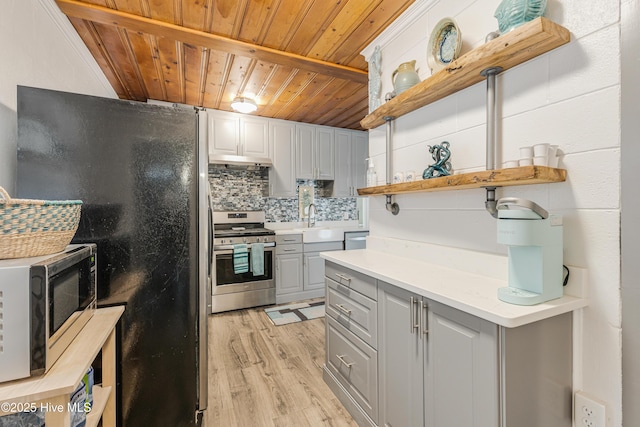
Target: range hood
(239, 161)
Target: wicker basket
(36, 227)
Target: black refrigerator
(141, 172)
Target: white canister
(541, 150)
(553, 156)
(510, 164)
(526, 152)
(540, 160)
(525, 162)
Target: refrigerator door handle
(204, 255)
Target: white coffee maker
(535, 251)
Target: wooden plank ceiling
(300, 59)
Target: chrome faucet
(315, 212)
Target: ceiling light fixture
(243, 104)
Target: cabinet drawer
(355, 365)
(323, 246)
(355, 312)
(286, 239)
(351, 280)
(288, 249)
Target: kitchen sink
(321, 234)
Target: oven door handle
(229, 248)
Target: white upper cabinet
(224, 133)
(325, 153)
(305, 146)
(352, 148)
(237, 135)
(315, 152)
(282, 176)
(254, 136)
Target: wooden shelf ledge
(100, 399)
(513, 48)
(524, 175)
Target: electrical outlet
(589, 411)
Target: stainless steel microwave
(44, 303)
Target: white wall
(36, 52)
(569, 97)
(630, 204)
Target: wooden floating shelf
(524, 175)
(513, 48)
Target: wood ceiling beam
(107, 16)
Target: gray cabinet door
(289, 273)
(359, 155)
(305, 152)
(352, 148)
(325, 153)
(400, 358)
(461, 382)
(313, 271)
(342, 186)
(282, 177)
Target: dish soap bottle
(372, 178)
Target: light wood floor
(266, 375)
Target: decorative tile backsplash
(243, 189)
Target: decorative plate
(444, 44)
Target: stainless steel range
(234, 287)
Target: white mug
(409, 176)
(526, 152)
(510, 164)
(541, 150)
(398, 177)
(540, 160)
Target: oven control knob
(245, 240)
(258, 239)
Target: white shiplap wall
(39, 48)
(569, 97)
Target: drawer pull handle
(344, 362)
(425, 323)
(343, 309)
(343, 277)
(290, 250)
(289, 240)
(414, 317)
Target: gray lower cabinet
(314, 264)
(438, 366)
(355, 365)
(299, 268)
(351, 363)
(401, 355)
(461, 386)
(289, 268)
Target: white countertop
(295, 227)
(471, 293)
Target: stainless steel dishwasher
(355, 240)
